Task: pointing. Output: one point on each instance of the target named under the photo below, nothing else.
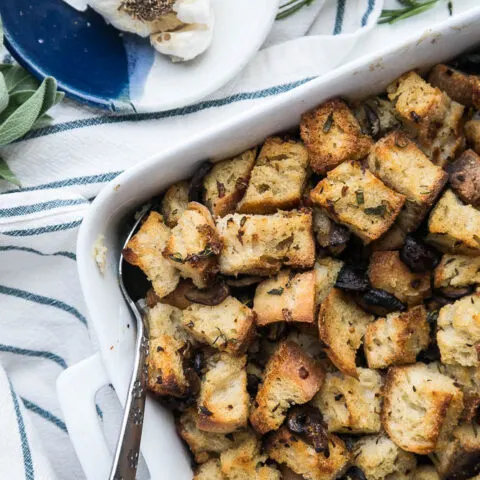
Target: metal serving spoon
(128, 447)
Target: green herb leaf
(328, 123)
(275, 291)
(176, 257)
(291, 7)
(22, 119)
(7, 174)
(360, 197)
(412, 7)
(379, 210)
(3, 94)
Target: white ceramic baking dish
(108, 313)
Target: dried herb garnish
(205, 411)
(328, 123)
(360, 197)
(415, 116)
(176, 257)
(276, 291)
(379, 210)
(291, 7)
(412, 7)
(220, 189)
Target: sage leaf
(15, 76)
(23, 118)
(7, 174)
(3, 94)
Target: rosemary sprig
(412, 7)
(291, 7)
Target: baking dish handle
(76, 388)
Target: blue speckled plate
(96, 64)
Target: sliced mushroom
(354, 473)
(211, 296)
(379, 302)
(419, 257)
(352, 278)
(307, 423)
(455, 293)
(242, 282)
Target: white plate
(108, 313)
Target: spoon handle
(128, 447)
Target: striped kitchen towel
(63, 166)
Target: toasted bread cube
(351, 405)
(332, 135)
(261, 244)
(459, 86)
(226, 183)
(377, 116)
(326, 273)
(402, 166)
(429, 114)
(246, 462)
(228, 326)
(458, 334)
(395, 237)
(465, 177)
(387, 272)
(357, 199)
(379, 458)
(210, 470)
(461, 456)
(278, 178)
(342, 324)
(194, 245)
(457, 271)
(467, 378)
(472, 133)
(223, 400)
(426, 472)
(287, 448)
(175, 202)
(168, 339)
(329, 234)
(454, 227)
(397, 339)
(291, 378)
(420, 408)
(202, 444)
(288, 297)
(145, 249)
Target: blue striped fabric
(39, 207)
(33, 407)
(40, 299)
(28, 232)
(27, 455)
(14, 248)
(34, 353)
(337, 29)
(368, 12)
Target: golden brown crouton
(357, 199)
(223, 400)
(278, 178)
(472, 133)
(379, 458)
(332, 135)
(426, 472)
(402, 166)
(145, 251)
(458, 334)
(287, 448)
(326, 272)
(288, 297)
(329, 235)
(261, 244)
(461, 456)
(226, 183)
(457, 271)
(465, 177)
(351, 405)
(397, 339)
(209, 471)
(342, 324)
(175, 202)
(168, 340)
(420, 408)
(394, 238)
(291, 378)
(387, 272)
(430, 115)
(194, 245)
(228, 326)
(454, 227)
(246, 462)
(459, 86)
(202, 444)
